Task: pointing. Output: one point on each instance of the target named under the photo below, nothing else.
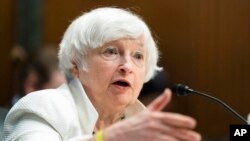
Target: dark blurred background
(204, 44)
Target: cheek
(140, 79)
(102, 73)
(142, 73)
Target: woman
(107, 54)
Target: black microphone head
(181, 90)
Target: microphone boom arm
(224, 104)
(183, 90)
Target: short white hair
(99, 26)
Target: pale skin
(154, 125)
(113, 80)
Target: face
(57, 78)
(115, 73)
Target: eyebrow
(141, 44)
(138, 41)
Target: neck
(105, 119)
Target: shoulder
(44, 98)
(50, 101)
(46, 105)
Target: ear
(75, 71)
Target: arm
(40, 117)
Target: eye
(138, 56)
(110, 51)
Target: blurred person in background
(32, 72)
(35, 71)
(154, 87)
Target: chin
(124, 100)
(120, 104)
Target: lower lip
(121, 87)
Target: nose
(126, 65)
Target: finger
(182, 134)
(176, 120)
(174, 133)
(161, 101)
(164, 137)
(188, 135)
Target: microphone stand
(224, 104)
(183, 90)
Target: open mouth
(122, 83)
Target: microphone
(183, 90)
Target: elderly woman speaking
(107, 54)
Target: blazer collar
(86, 111)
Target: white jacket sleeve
(43, 118)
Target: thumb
(161, 101)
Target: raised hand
(154, 125)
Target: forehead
(136, 42)
(124, 43)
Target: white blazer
(62, 114)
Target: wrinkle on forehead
(139, 41)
